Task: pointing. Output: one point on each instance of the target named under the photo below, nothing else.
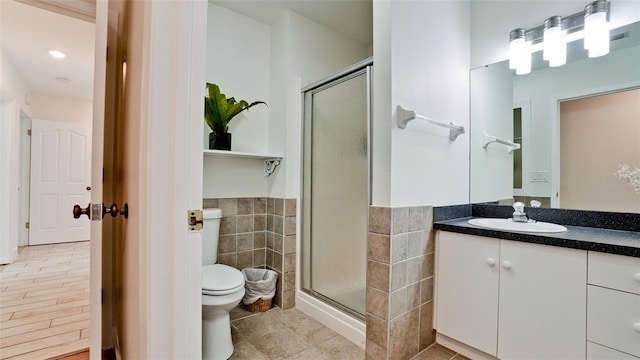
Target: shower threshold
(337, 305)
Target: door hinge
(29, 132)
(194, 219)
(26, 225)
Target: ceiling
(353, 18)
(28, 32)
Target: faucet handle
(535, 203)
(518, 207)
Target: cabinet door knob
(491, 261)
(637, 327)
(506, 264)
(637, 277)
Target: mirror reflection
(575, 124)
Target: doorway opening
(61, 90)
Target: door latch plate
(194, 218)
(96, 212)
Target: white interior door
(98, 330)
(60, 178)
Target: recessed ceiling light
(57, 54)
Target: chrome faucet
(518, 214)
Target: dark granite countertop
(619, 242)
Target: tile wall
(400, 275)
(281, 248)
(260, 232)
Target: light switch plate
(539, 176)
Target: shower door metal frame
(364, 67)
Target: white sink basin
(510, 225)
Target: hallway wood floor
(44, 302)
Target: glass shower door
(336, 192)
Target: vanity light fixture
(554, 34)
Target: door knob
(78, 211)
(113, 210)
(88, 188)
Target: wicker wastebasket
(260, 288)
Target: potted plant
(218, 112)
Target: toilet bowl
(222, 290)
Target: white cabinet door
(614, 319)
(542, 302)
(467, 289)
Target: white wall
(239, 61)
(491, 22)
(303, 52)
(270, 63)
(14, 94)
(12, 84)
(60, 108)
(429, 50)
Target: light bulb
(516, 47)
(524, 63)
(554, 47)
(596, 29)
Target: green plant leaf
(218, 110)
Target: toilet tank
(210, 234)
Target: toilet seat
(218, 279)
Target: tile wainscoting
(260, 232)
(400, 275)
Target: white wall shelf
(270, 161)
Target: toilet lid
(220, 278)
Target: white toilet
(222, 290)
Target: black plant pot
(219, 141)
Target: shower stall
(336, 188)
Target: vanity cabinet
(613, 306)
(511, 299)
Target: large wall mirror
(576, 124)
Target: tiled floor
(44, 302)
(290, 334)
(44, 313)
